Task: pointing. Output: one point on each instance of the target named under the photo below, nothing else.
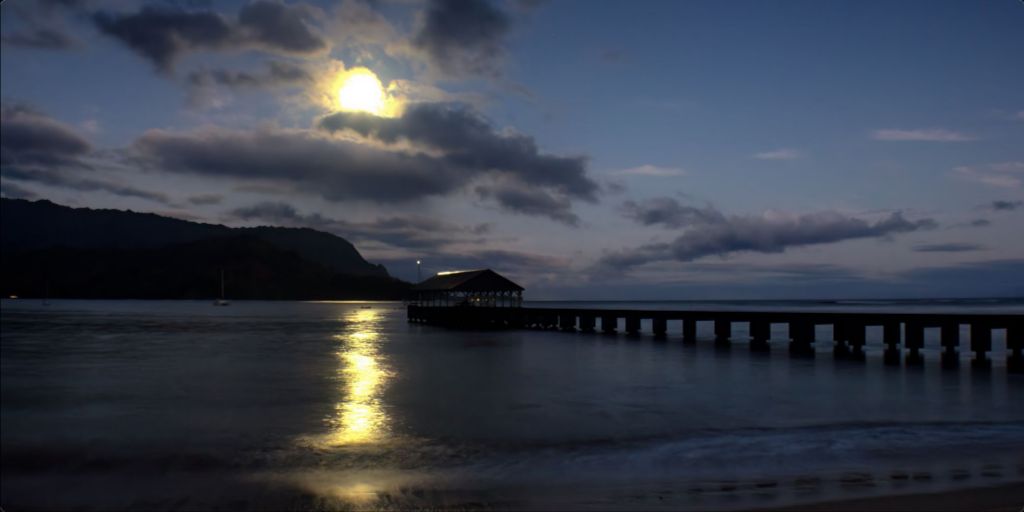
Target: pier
(903, 334)
(484, 299)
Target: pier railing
(901, 332)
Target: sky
(588, 150)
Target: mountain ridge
(49, 249)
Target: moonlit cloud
(708, 232)
(650, 170)
(1000, 175)
(163, 34)
(921, 135)
(779, 154)
(463, 36)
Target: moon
(362, 91)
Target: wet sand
(1008, 498)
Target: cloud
(517, 197)
(709, 232)
(650, 170)
(469, 141)
(461, 37)
(298, 160)
(1006, 206)
(1020, 115)
(923, 134)
(668, 212)
(163, 34)
(1001, 175)
(779, 154)
(980, 223)
(31, 139)
(206, 199)
(405, 232)
(204, 83)
(948, 247)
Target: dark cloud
(669, 212)
(37, 149)
(406, 232)
(163, 33)
(980, 223)
(948, 247)
(277, 74)
(83, 183)
(280, 27)
(519, 198)
(299, 160)
(708, 232)
(432, 150)
(32, 139)
(469, 141)
(463, 36)
(203, 84)
(1006, 206)
(206, 199)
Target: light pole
(418, 277)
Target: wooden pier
(903, 334)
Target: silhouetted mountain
(79, 252)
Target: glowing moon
(362, 91)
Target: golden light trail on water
(359, 416)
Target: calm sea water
(271, 405)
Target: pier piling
(633, 325)
(801, 336)
(760, 333)
(950, 338)
(660, 326)
(914, 333)
(723, 331)
(689, 330)
(981, 342)
(609, 324)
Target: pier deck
(901, 332)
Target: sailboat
(221, 301)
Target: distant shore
(1006, 497)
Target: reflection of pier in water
(900, 331)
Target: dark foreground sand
(1008, 498)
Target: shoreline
(1007, 497)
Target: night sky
(587, 149)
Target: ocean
(344, 405)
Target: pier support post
(891, 338)
(840, 349)
(723, 331)
(660, 327)
(567, 322)
(801, 334)
(689, 330)
(632, 325)
(914, 341)
(981, 342)
(609, 324)
(950, 337)
(856, 337)
(587, 323)
(1015, 347)
(760, 332)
